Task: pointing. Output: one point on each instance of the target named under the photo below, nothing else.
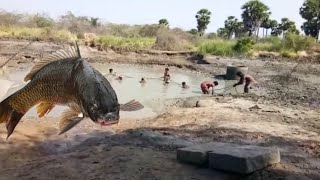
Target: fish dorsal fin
(72, 54)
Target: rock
(204, 103)
(255, 107)
(190, 102)
(242, 159)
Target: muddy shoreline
(137, 149)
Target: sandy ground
(145, 149)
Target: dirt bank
(145, 149)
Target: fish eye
(93, 107)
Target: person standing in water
(111, 72)
(206, 85)
(166, 76)
(249, 81)
(119, 78)
(184, 85)
(142, 80)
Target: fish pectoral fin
(44, 108)
(132, 105)
(70, 123)
(68, 120)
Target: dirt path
(145, 149)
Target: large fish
(65, 78)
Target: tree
(203, 19)
(288, 26)
(310, 28)
(193, 31)
(212, 35)
(164, 22)
(222, 33)
(42, 20)
(271, 25)
(310, 11)
(94, 21)
(240, 30)
(230, 25)
(254, 13)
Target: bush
(244, 45)
(172, 40)
(270, 44)
(288, 54)
(218, 47)
(297, 43)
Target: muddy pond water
(151, 94)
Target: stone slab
(242, 159)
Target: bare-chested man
(249, 81)
(206, 85)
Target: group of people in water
(205, 86)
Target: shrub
(244, 45)
(288, 54)
(217, 47)
(297, 43)
(171, 40)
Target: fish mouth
(108, 123)
(108, 119)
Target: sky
(179, 13)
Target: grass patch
(132, 42)
(172, 41)
(218, 47)
(39, 33)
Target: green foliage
(290, 43)
(212, 35)
(254, 13)
(149, 30)
(172, 40)
(297, 43)
(222, 33)
(164, 22)
(94, 21)
(310, 11)
(288, 26)
(203, 19)
(271, 44)
(193, 31)
(288, 54)
(244, 45)
(218, 47)
(42, 21)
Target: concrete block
(242, 159)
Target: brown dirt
(284, 119)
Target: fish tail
(9, 115)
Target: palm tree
(203, 19)
(254, 13)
